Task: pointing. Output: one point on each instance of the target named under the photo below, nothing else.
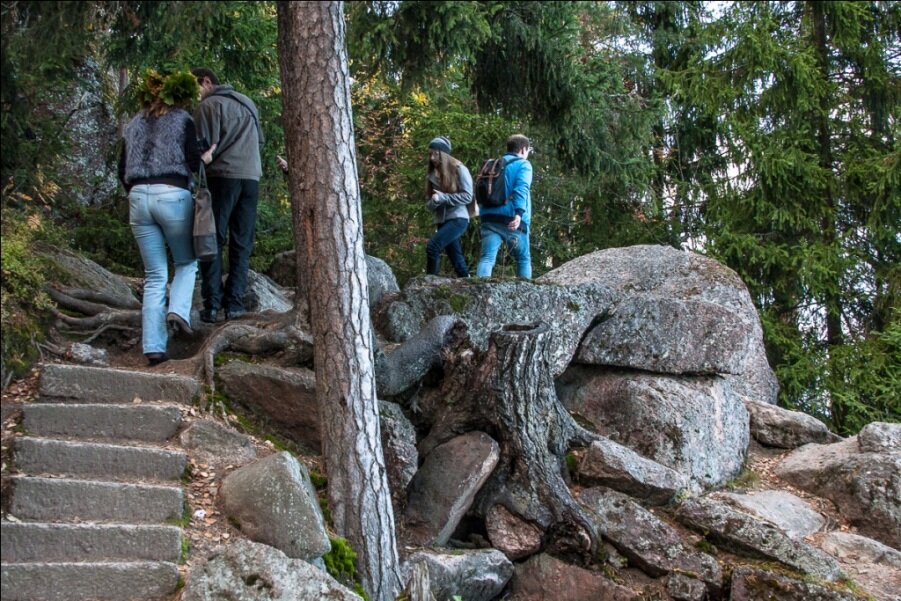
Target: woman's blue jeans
(493, 234)
(161, 215)
(447, 238)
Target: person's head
(206, 79)
(519, 144)
(441, 161)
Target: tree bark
(328, 229)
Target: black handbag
(205, 246)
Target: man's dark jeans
(447, 238)
(235, 208)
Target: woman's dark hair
(201, 72)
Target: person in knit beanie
(449, 197)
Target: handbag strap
(201, 176)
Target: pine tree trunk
(329, 236)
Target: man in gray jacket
(230, 123)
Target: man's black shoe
(209, 315)
(235, 313)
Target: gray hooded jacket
(231, 121)
(452, 205)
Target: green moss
(458, 302)
(185, 549)
(185, 519)
(572, 463)
(341, 564)
(706, 546)
(319, 480)
(573, 306)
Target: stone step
(61, 500)
(126, 581)
(140, 422)
(36, 456)
(104, 385)
(26, 542)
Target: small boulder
(286, 397)
(85, 354)
(273, 502)
(774, 426)
(685, 588)
(612, 465)
(472, 575)
(514, 536)
(399, 447)
(408, 364)
(444, 487)
(217, 444)
(872, 565)
(248, 571)
(880, 437)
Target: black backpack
(491, 188)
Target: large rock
(866, 487)
(669, 336)
(781, 508)
(247, 571)
(642, 277)
(265, 295)
(743, 534)
(273, 502)
(753, 584)
(472, 575)
(80, 272)
(696, 426)
(444, 487)
(610, 464)
(399, 447)
(543, 578)
(512, 535)
(650, 544)
(774, 426)
(486, 307)
(286, 397)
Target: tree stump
(510, 395)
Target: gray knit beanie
(440, 143)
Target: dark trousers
(235, 209)
(447, 238)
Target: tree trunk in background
(329, 236)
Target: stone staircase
(98, 491)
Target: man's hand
(207, 157)
(514, 225)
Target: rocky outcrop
(80, 272)
(247, 571)
(774, 426)
(273, 502)
(444, 487)
(865, 486)
(691, 291)
(742, 534)
(874, 566)
(486, 307)
(880, 437)
(696, 426)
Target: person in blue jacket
(509, 223)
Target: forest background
(763, 134)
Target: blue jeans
(447, 238)
(161, 215)
(518, 243)
(235, 209)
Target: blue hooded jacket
(518, 182)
